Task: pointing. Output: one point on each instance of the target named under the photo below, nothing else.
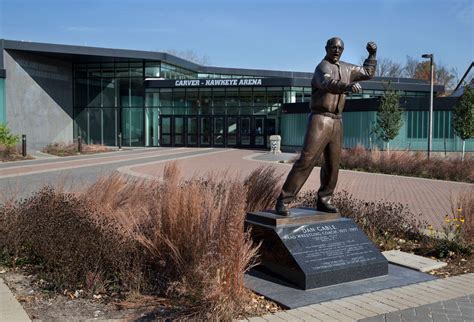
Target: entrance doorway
(245, 131)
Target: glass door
(259, 135)
(191, 131)
(205, 133)
(245, 131)
(178, 131)
(219, 136)
(165, 130)
(232, 131)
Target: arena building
(54, 93)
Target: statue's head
(334, 48)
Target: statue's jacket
(330, 81)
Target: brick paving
(433, 199)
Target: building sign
(153, 83)
(218, 82)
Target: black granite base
(315, 249)
(290, 296)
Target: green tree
(389, 116)
(6, 138)
(463, 116)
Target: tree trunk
(463, 149)
(388, 147)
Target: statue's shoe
(282, 208)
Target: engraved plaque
(320, 253)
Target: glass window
(246, 96)
(274, 96)
(80, 71)
(136, 69)
(95, 126)
(132, 126)
(93, 70)
(123, 88)
(136, 92)
(152, 97)
(232, 97)
(121, 70)
(108, 92)
(81, 123)
(152, 69)
(109, 123)
(205, 100)
(165, 98)
(80, 92)
(179, 97)
(259, 96)
(218, 97)
(95, 87)
(108, 70)
(192, 98)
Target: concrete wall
(39, 98)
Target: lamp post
(430, 115)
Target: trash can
(275, 144)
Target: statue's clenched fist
(371, 48)
(353, 88)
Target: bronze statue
(331, 81)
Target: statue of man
(331, 81)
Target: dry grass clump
(181, 239)
(11, 154)
(73, 245)
(464, 211)
(378, 219)
(407, 163)
(62, 149)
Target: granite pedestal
(314, 249)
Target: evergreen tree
(389, 116)
(463, 116)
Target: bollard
(120, 141)
(23, 145)
(79, 144)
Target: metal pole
(79, 144)
(430, 133)
(120, 141)
(23, 145)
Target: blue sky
(282, 35)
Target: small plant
(7, 139)
(62, 149)
(452, 241)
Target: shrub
(7, 139)
(381, 221)
(181, 239)
(62, 149)
(70, 239)
(407, 163)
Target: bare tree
(190, 55)
(388, 68)
(409, 70)
(448, 78)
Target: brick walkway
(431, 198)
(449, 299)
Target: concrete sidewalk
(10, 308)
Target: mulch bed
(43, 304)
